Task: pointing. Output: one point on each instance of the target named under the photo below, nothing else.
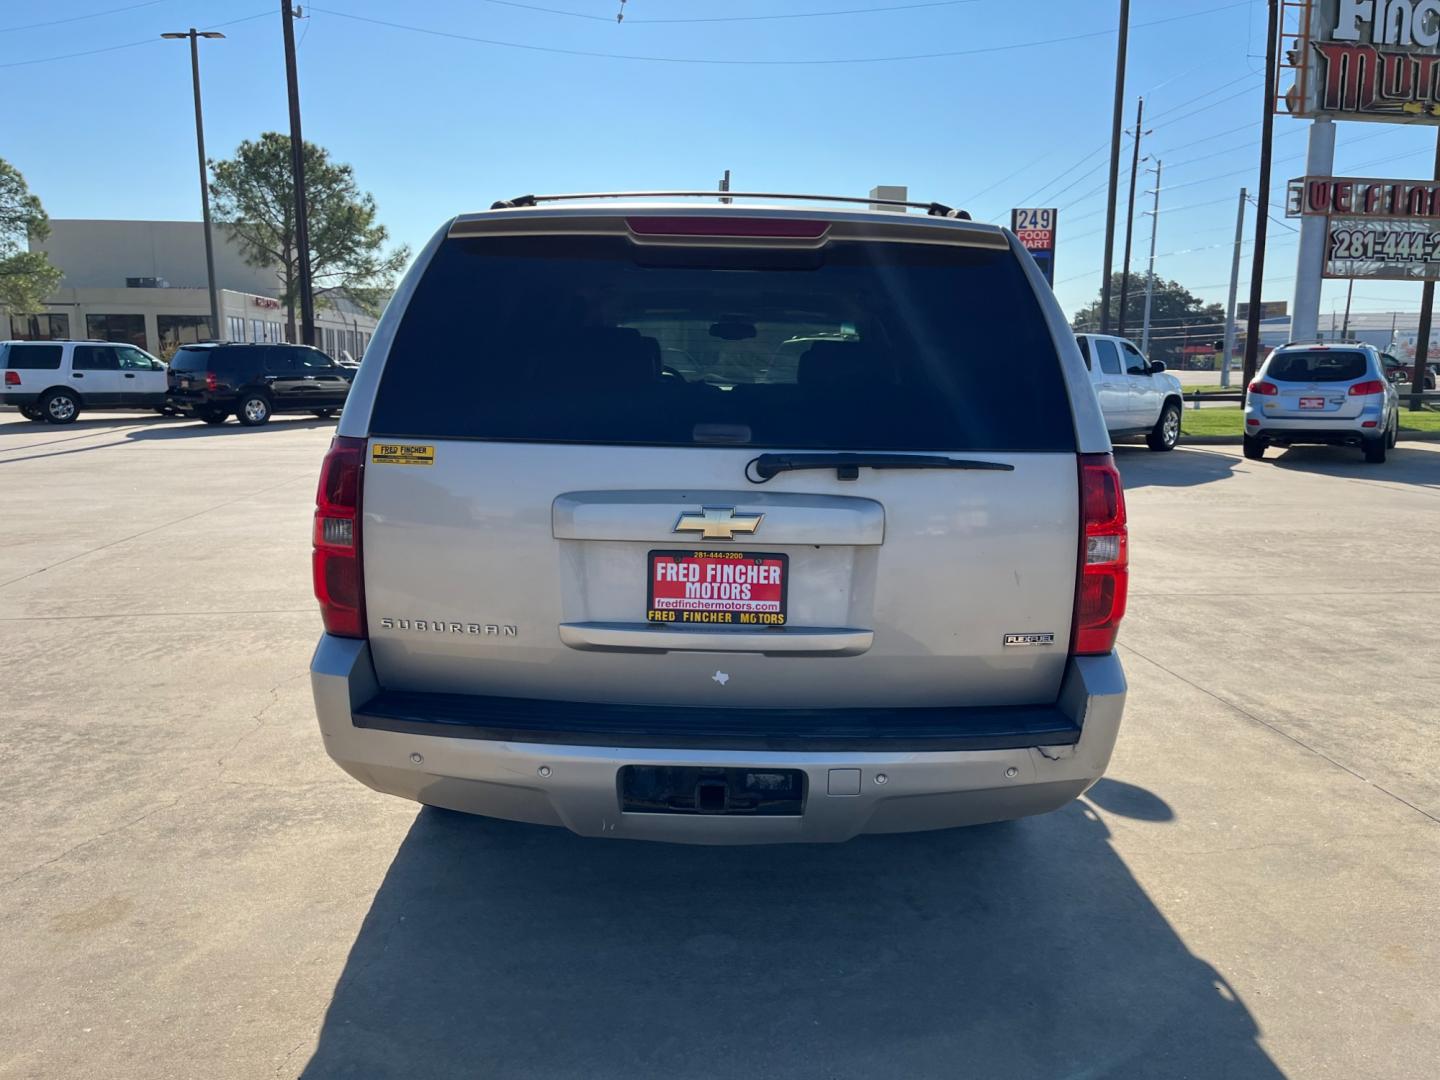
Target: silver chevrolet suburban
(732, 523)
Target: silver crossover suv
(1334, 394)
(722, 524)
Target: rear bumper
(575, 783)
(1289, 432)
(17, 398)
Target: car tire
(323, 414)
(254, 409)
(1394, 434)
(1254, 448)
(1166, 432)
(32, 412)
(1375, 449)
(213, 417)
(60, 407)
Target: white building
(144, 282)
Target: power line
(734, 18)
(80, 18)
(1200, 97)
(126, 45)
(595, 54)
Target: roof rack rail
(933, 209)
(1323, 341)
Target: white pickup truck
(1137, 397)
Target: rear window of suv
(1317, 366)
(595, 340)
(31, 357)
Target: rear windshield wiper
(848, 466)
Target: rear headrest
(604, 356)
(840, 364)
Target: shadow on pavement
(1017, 950)
(1403, 465)
(1181, 467)
(195, 429)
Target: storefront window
(39, 327)
(237, 328)
(127, 328)
(176, 330)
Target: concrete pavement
(191, 888)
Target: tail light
(211, 382)
(1370, 386)
(339, 575)
(1264, 389)
(1104, 577)
(12, 378)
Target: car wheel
(1166, 432)
(60, 407)
(164, 410)
(1375, 449)
(213, 417)
(254, 410)
(32, 412)
(324, 414)
(1254, 448)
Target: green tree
(26, 277)
(1177, 317)
(254, 196)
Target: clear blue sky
(434, 125)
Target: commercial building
(144, 282)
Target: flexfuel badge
(401, 454)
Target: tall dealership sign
(1375, 60)
(1369, 60)
(1035, 229)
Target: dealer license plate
(718, 588)
(1312, 403)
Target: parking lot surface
(191, 888)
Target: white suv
(1334, 394)
(54, 380)
(1137, 397)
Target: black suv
(254, 381)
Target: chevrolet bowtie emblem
(718, 523)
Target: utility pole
(1234, 293)
(1262, 202)
(297, 168)
(1422, 339)
(1150, 274)
(1130, 219)
(1345, 327)
(1116, 124)
(194, 36)
(725, 186)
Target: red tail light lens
(1104, 578)
(1264, 389)
(211, 382)
(1371, 386)
(339, 575)
(12, 378)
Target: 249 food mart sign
(1374, 228)
(1367, 60)
(1035, 229)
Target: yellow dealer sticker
(401, 454)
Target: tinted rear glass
(211, 359)
(1318, 366)
(596, 340)
(33, 357)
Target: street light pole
(1150, 274)
(194, 36)
(297, 167)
